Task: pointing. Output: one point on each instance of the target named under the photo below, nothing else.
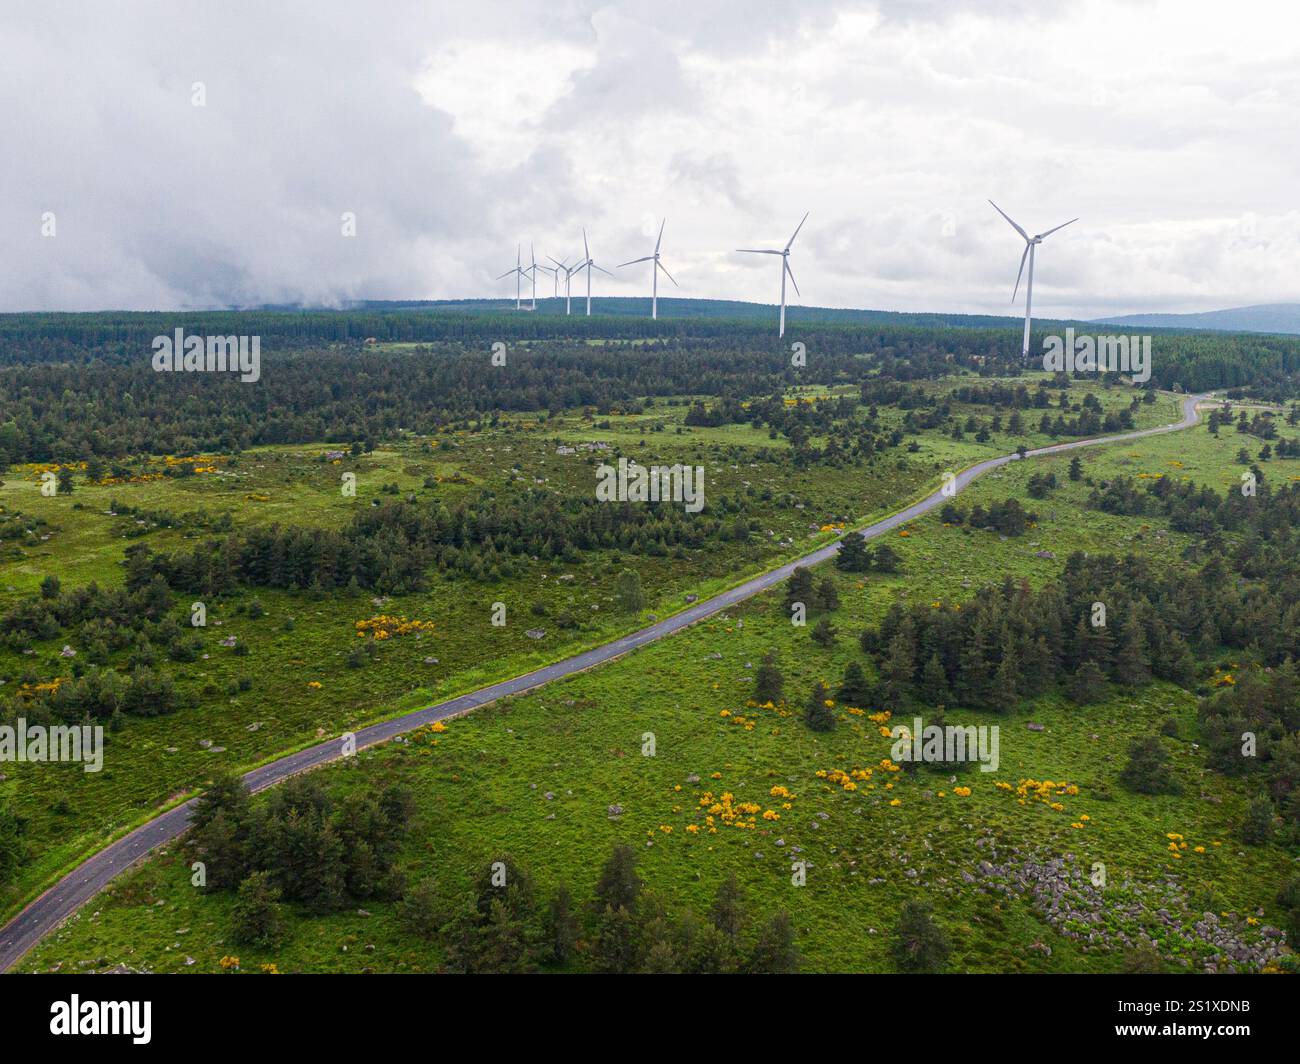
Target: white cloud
(455, 134)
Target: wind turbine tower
(654, 271)
(1031, 242)
(785, 268)
(519, 273)
(589, 264)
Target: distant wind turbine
(531, 270)
(555, 276)
(785, 268)
(519, 273)
(654, 271)
(589, 264)
(1031, 242)
(568, 272)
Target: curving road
(49, 910)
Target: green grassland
(248, 709)
(536, 776)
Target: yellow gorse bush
(383, 626)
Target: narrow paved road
(89, 878)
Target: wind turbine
(568, 272)
(519, 273)
(589, 264)
(654, 271)
(1031, 242)
(555, 276)
(785, 267)
(531, 270)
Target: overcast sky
(454, 131)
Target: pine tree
(885, 559)
(256, 914)
(616, 947)
(420, 910)
(1006, 680)
(1147, 771)
(920, 944)
(1087, 685)
(1133, 662)
(1257, 828)
(934, 682)
(505, 944)
(854, 691)
(619, 886)
(769, 685)
(775, 952)
(709, 951)
(818, 713)
(975, 673)
(823, 633)
(628, 593)
(799, 588)
(898, 667)
(828, 596)
(727, 913)
(853, 556)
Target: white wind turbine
(785, 268)
(519, 273)
(589, 264)
(568, 272)
(1031, 242)
(654, 271)
(531, 270)
(555, 276)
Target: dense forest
(76, 386)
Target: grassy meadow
(555, 778)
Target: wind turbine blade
(792, 280)
(667, 274)
(557, 262)
(602, 270)
(1020, 273)
(796, 231)
(661, 235)
(756, 251)
(586, 251)
(1061, 226)
(1008, 218)
(506, 274)
(644, 258)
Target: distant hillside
(1265, 318)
